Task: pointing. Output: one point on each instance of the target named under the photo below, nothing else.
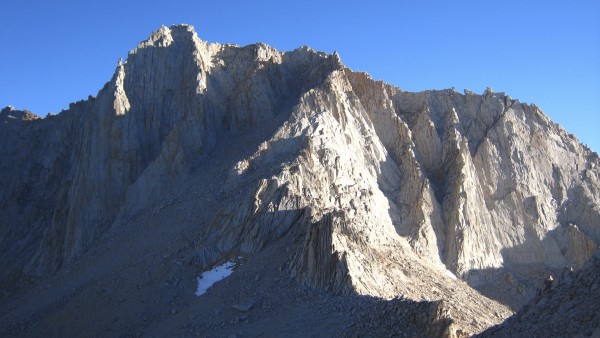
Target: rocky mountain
(326, 181)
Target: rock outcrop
(384, 192)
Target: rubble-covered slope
(569, 306)
(470, 199)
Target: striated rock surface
(66, 177)
(467, 201)
(461, 180)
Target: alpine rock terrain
(348, 207)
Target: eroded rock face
(65, 178)
(466, 181)
(387, 193)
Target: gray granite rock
(390, 193)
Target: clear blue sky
(543, 52)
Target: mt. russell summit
(347, 206)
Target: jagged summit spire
(165, 36)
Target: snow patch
(210, 277)
(450, 274)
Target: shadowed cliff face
(385, 192)
(65, 178)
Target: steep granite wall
(383, 192)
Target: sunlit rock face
(388, 193)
